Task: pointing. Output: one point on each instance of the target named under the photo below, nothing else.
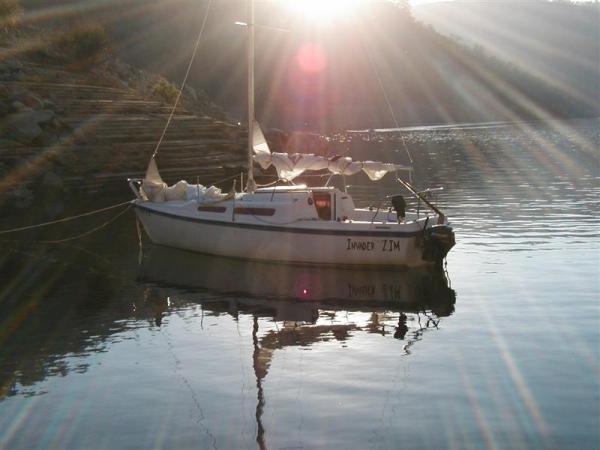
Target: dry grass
(83, 43)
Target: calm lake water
(106, 347)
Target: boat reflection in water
(302, 287)
(312, 304)
(296, 294)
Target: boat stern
(437, 242)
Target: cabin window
(323, 204)
(255, 211)
(214, 209)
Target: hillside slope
(558, 42)
(68, 129)
(428, 78)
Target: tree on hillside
(10, 10)
(403, 4)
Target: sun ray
(324, 11)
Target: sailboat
(288, 222)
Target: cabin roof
(298, 188)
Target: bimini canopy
(291, 166)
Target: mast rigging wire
(385, 95)
(187, 72)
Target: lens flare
(311, 58)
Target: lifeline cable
(187, 72)
(267, 184)
(224, 179)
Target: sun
(324, 10)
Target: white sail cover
(155, 189)
(291, 166)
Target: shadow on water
(55, 302)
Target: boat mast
(260, 405)
(251, 185)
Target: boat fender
(310, 201)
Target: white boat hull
(303, 243)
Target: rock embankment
(74, 129)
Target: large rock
(39, 117)
(191, 92)
(32, 101)
(51, 179)
(123, 70)
(48, 104)
(14, 64)
(22, 197)
(26, 125)
(9, 143)
(17, 106)
(203, 98)
(46, 139)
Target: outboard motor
(437, 242)
(399, 205)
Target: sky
(421, 2)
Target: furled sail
(291, 166)
(152, 173)
(259, 143)
(153, 186)
(156, 190)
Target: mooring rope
(66, 219)
(87, 233)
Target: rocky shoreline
(68, 128)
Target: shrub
(165, 90)
(83, 43)
(10, 10)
